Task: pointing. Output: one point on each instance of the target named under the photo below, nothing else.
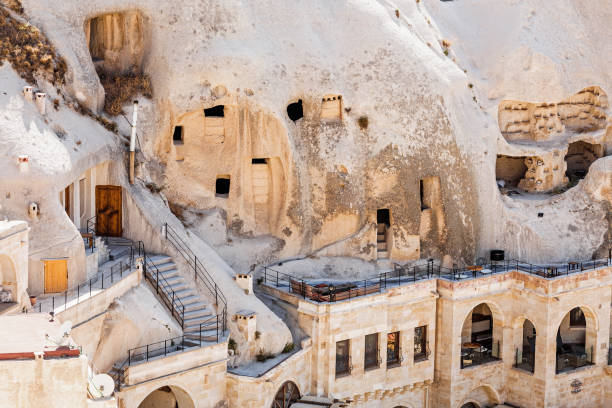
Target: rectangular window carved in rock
(393, 348)
(222, 187)
(342, 357)
(420, 343)
(371, 351)
(177, 136)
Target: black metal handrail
(162, 288)
(429, 269)
(81, 291)
(90, 228)
(201, 275)
(177, 344)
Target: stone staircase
(196, 308)
(118, 247)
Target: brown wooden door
(108, 211)
(56, 275)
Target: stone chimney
(41, 102)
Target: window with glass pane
(420, 343)
(371, 351)
(392, 348)
(342, 357)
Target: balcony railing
(574, 358)
(524, 360)
(473, 357)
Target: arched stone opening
(480, 337)
(8, 280)
(525, 346)
(287, 394)
(483, 396)
(576, 338)
(168, 397)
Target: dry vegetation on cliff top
(28, 51)
(120, 89)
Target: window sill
(420, 359)
(372, 368)
(393, 364)
(343, 374)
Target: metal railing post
(216, 295)
(147, 359)
(195, 267)
(65, 299)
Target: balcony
(573, 357)
(474, 354)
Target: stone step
(201, 312)
(194, 322)
(184, 293)
(172, 279)
(382, 254)
(381, 246)
(177, 285)
(160, 259)
(168, 266)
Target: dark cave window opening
(177, 136)
(215, 111)
(422, 195)
(580, 155)
(259, 161)
(383, 216)
(222, 187)
(295, 110)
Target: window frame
(348, 369)
(370, 363)
(423, 355)
(397, 350)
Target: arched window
(478, 343)
(286, 395)
(574, 347)
(525, 351)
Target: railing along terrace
(322, 290)
(174, 345)
(524, 360)
(201, 275)
(83, 291)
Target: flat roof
(23, 333)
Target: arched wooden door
(287, 394)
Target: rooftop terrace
(334, 290)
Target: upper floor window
(393, 356)
(371, 351)
(342, 357)
(420, 343)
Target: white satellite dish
(103, 386)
